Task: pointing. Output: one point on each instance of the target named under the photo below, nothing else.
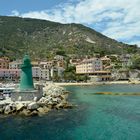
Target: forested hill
(42, 39)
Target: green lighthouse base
(27, 95)
(33, 95)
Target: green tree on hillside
(136, 62)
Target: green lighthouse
(26, 80)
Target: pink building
(9, 73)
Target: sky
(118, 19)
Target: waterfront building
(46, 64)
(126, 60)
(35, 64)
(40, 73)
(60, 71)
(106, 62)
(44, 74)
(52, 72)
(4, 63)
(60, 64)
(75, 62)
(36, 72)
(100, 76)
(94, 69)
(9, 74)
(15, 64)
(89, 66)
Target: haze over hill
(42, 39)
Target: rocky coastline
(54, 97)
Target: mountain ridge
(43, 39)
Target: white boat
(6, 90)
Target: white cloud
(120, 19)
(15, 13)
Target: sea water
(96, 117)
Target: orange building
(4, 63)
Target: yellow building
(35, 64)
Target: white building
(41, 73)
(126, 60)
(45, 74)
(36, 72)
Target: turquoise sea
(96, 117)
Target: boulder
(25, 112)
(19, 98)
(43, 110)
(32, 106)
(8, 110)
(55, 100)
(53, 90)
(50, 103)
(46, 109)
(49, 107)
(33, 113)
(1, 110)
(19, 106)
(13, 107)
(59, 106)
(35, 99)
(64, 96)
(64, 104)
(45, 100)
(68, 106)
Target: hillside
(42, 39)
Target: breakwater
(54, 97)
